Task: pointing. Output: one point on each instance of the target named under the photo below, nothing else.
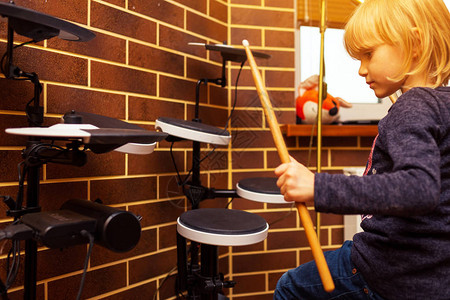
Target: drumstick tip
(245, 43)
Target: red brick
(118, 21)
(151, 109)
(252, 139)
(209, 115)
(281, 59)
(168, 186)
(273, 279)
(246, 119)
(160, 10)
(147, 243)
(261, 17)
(157, 162)
(14, 94)
(61, 99)
(53, 195)
(247, 2)
(12, 121)
(249, 248)
(102, 46)
(219, 180)
(249, 283)
(152, 266)
(280, 79)
(264, 261)
(215, 161)
(337, 236)
(179, 89)
(331, 219)
(151, 212)
(279, 3)
(218, 96)
(10, 160)
(120, 3)
(248, 160)
(64, 9)
(117, 191)
(277, 38)
(349, 158)
(52, 66)
(302, 156)
(294, 239)
(206, 27)
(334, 141)
(155, 59)
(167, 236)
(108, 164)
(250, 34)
(201, 70)
(178, 40)
(97, 282)
(117, 78)
(54, 262)
(198, 5)
(218, 11)
(282, 219)
(135, 292)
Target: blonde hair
(419, 27)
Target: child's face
(378, 65)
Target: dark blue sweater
(404, 251)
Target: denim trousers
(303, 282)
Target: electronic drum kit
(211, 227)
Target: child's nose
(362, 70)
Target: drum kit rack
(78, 221)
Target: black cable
(235, 95)
(38, 90)
(6, 55)
(183, 182)
(87, 234)
(15, 232)
(12, 273)
(180, 181)
(22, 170)
(229, 202)
(180, 294)
(33, 152)
(163, 281)
(3, 291)
(174, 163)
(22, 167)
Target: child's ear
(417, 42)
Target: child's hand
(295, 181)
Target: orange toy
(306, 104)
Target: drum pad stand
(36, 26)
(203, 282)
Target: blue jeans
(304, 281)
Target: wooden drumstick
(393, 98)
(305, 218)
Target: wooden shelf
(330, 130)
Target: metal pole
(320, 100)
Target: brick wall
(139, 68)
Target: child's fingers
(281, 169)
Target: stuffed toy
(306, 103)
